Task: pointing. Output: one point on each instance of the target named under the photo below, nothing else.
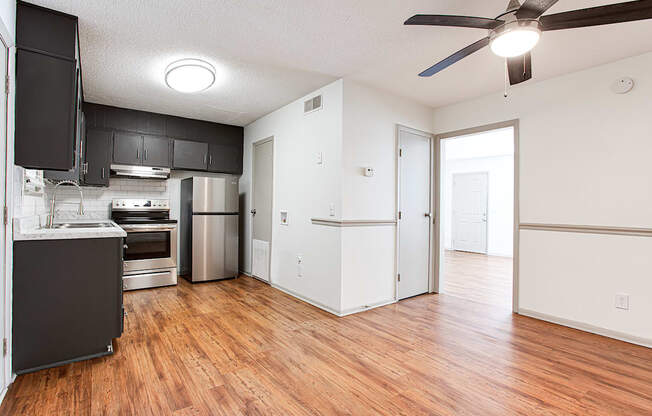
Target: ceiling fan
(514, 33)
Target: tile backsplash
(97, 201)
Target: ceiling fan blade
(601, 15)
(457, 21)
(532, 9)
(455, 57)
(519, 68)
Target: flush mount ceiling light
(515, 38)
(189, 75)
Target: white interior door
(470, 199)
(3, 203)
(414, 213)
(261, 212)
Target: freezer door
(214, 247)
(215, 195)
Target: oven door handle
(148, 228)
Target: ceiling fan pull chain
(506, 78)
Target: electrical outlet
(331, 209)
(622, 301)
(300, 265)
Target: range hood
(140, 172)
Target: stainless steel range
(150, 249)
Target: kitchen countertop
(22, 233)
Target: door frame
(431, 242)
(253, 202)
(486, 223)
(515, 259)
(6, 266)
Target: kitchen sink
(83, 225)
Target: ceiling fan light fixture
(189, 75)
(515, 38)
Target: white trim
(588, 229)
(253, 277)
(352, 223)
(328, 309)
(645, 342)
(514, 124)
(364, 308)
(305, 299)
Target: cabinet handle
(205, 157)
(145, 154)
(102, 173)
(210, 160)
(137, 153)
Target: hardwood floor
(241, 347)
(478, 277)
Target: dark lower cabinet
(67, 301)
(156, 151)
(190, 155)
(98, 157)
(225, 159)
(45, 111)
(127, 148)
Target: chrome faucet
(50, 221)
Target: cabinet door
(224, 159)
(190, 155)
(156, 151)
(45, 111)
(98, 157)
(127, 148)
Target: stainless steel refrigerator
(208, 228)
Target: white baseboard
(363, 308)
(305, 299)
(328, 309)
(645, 342)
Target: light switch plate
(284, 218)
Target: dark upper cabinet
(98, 157)
(225, 158)
(46, 30)
(202, 145)
(48, 82)
(127, 148)
(190, 155)
(156, 151)
(45, 111)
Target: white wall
(584, 159)
(306, 190)
(368, 253)
(345, 269)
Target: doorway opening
(477, 190)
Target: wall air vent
(312, 104)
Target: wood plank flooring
(478, 277)
(241, 347)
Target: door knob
(253, 211)
(428, 214)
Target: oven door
(150, 246)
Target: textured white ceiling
(273, 51)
